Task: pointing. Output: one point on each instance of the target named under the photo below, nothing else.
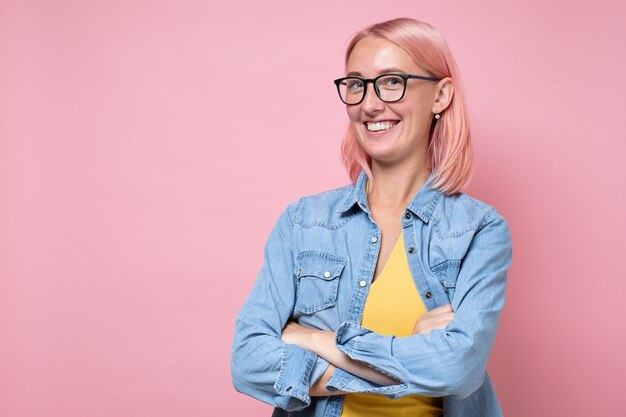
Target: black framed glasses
(389, 87)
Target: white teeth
(374, 127)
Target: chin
(383, 154)
(377, 149)
(383, 157)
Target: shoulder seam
(487, 216)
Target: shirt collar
(422, 205)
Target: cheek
(352, 112)
(406, 109)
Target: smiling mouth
(380, 126)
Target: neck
(395, 185)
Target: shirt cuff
(348, 340)
(347, 382)
(297, 365)
(319, 368)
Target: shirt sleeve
(262, 366)
(448, 362)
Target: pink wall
(146, 148)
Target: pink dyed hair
(450, 153)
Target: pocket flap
(318, 264)
(447, 272)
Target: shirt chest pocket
(447, 272)
(318, 280)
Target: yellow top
(392, 308)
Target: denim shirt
(318, 265)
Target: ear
(443, 95)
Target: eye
(354, 84)
(391, 82)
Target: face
(405, 124)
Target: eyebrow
(385, 71)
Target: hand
(294, 334)
(437, 318)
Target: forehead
(372, 56)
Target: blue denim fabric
(318, 265)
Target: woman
(382, 298)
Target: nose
(371, 103)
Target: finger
(443, 308)
(437, 311)
(432, 320)
(442, 321)
(425, 329)
(442, 317)
(434, 314)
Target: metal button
(374, 239)
(407, 215)
(362, 283)
(428, 295)
(326, 274)
(298, 272)
(411, 249)
(445, 283)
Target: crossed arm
(322, 343)
(449, 361)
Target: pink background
(147, 147)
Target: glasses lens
(390, 87)
(351, 90)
